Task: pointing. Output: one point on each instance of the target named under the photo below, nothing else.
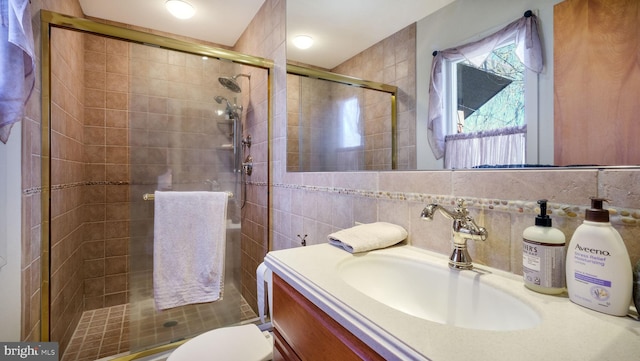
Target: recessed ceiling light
(180, 9)
(303, 41)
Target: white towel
(17, 63)
(264, 274)
(367, 237)
(189, 245)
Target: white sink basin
(436, 293)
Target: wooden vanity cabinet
(302, 331)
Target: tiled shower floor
(106, 332)
(100, 333)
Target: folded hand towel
(17, 62)
(366, 237)
(189, 246)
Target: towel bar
(151, 196)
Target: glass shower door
(181, 139)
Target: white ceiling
(219, 21)
(344, 28)
(341, 28)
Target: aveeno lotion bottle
(598, 266)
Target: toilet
(241, 343)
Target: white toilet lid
(242, 343)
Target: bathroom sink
(433, 292)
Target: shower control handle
(247, 165)
(247, 141)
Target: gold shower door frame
(51, 20)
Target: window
(492, 58)
(351, 133)
(487, 97)
(486, 110)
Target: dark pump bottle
(543, 255)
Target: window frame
(530, 105)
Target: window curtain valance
(504, 146)
(524, 32)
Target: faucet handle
(460, 210)
(479, 233)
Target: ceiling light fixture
(303, 41)
(180, 9)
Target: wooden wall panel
(597, 82)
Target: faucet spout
(464, 228)
(430, 210)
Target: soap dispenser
(543, 255)
(598, 266)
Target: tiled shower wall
(264, 37)
(393, 61)
(316, 131)
(67, 183)
(106, 163)
(309, 114)
(68, 109)
(390, 61)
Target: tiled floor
(100, 333)
(106, 332)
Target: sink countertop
(566, 332)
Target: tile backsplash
(503, 201)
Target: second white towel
(189, 246)
(367, 237)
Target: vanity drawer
(304, 332)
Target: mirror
(441, 30)
(337, 123)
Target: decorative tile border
(38, 190)
(57, 187)
(625, 216)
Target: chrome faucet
(464, 228)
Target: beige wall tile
(574, 187)
(116, 265)
(116, 82)
(116, 63)
(116, 100)
(620, 187)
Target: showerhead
(231, 83)
(220, 98)
(232, 110)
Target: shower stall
(146, 113)
(184, 135)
